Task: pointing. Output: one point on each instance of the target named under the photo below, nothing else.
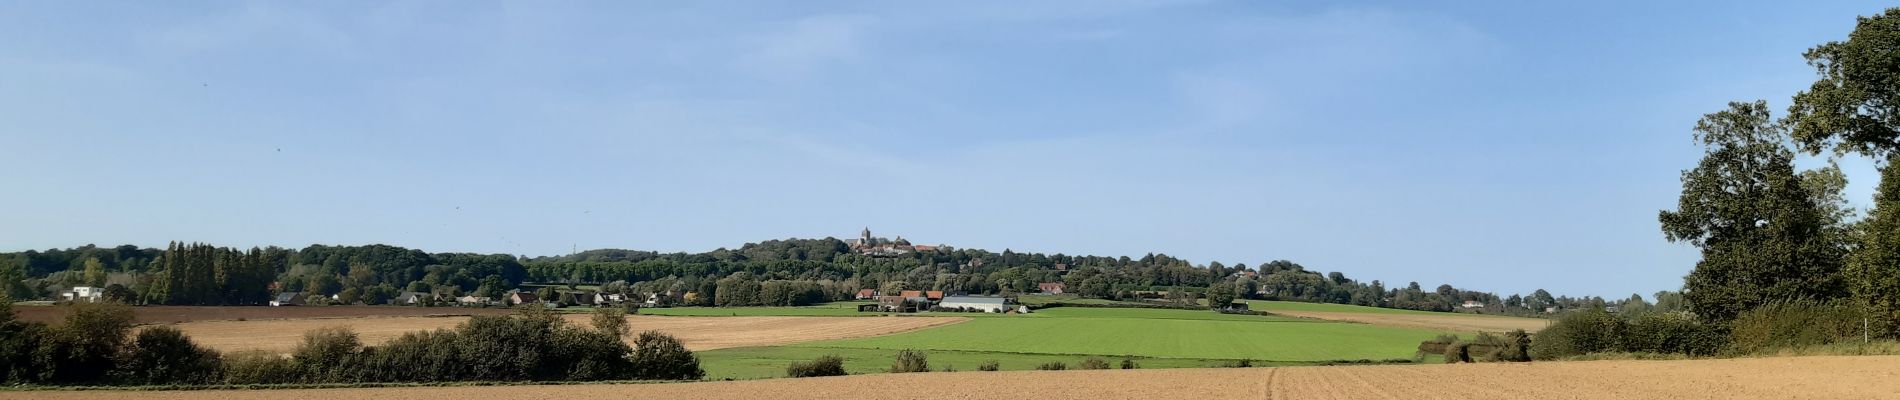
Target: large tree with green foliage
(1762, 235)
(1220, 295)
(1873, 270)
(1854, 107)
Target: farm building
(518, 298)
(985, 303)
(1234, 307)
(934, 295)
(1472, 304)
(910, 293)
(902, 304)
(473, 300)
(83, 293)
(287, 299)
(583, 298)
(654, 299)
(867, 294)
(411, 298)
(609, 298)
(1049, 288)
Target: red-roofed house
(911, 293)
(1049, 287)
(867, 294)
(934, 295)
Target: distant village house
(84, 293)
(288, 299)
(1049, 288)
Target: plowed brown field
(698, 333)
(1447, 322)
(1872, 377)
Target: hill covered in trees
(773, 272)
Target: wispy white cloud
(254, 23)
(806, 46)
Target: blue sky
(1500, 146)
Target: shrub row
(1773, 326)
(918, 361)
(91, 347)
(822, 366)
(1512, 346)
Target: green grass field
(770, 362)
(1036, 300)
(1155, 338)
(1158, 313)
(834, 309)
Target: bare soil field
(176, 314)
(1446, 322)
(697, 332)
(1756, 378)
(1834, 377)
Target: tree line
(1786, 261)
(1772, 233)
(774, 272)
(96, 344)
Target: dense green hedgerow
(163, 355)
(828, 365)
(258, 367)
(910, 361)
(657, 355)
(1794, 324)
(1581, 332)
(1671, 333)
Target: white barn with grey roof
(985, 303)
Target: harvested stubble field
(1833, 377)
(697, 333)
(177, 314)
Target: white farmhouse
(84, 293)
(987, 304)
